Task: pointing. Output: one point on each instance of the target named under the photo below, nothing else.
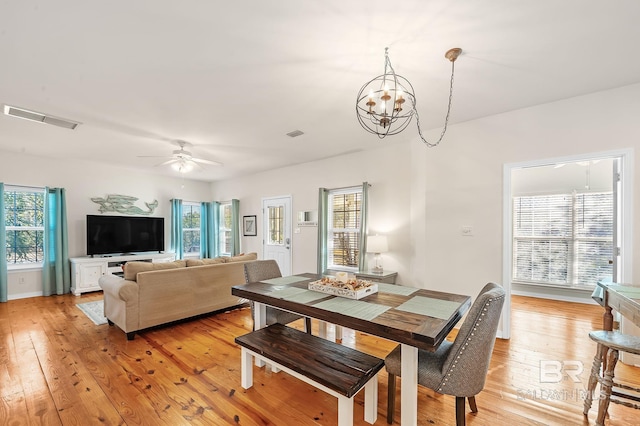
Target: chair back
(261, 270)
(464, 371)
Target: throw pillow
(243, 257)
(131, 269)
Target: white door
(276, 216)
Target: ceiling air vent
(295, 133)
(39, 117)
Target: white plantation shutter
(563, 239)
(345, 214)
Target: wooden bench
(338, 370)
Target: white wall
(421, 197)
(463, 180)
(387, 171)
(83, 181)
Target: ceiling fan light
(182, 166)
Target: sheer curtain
(364, 210)
(176, 228)
(56, 275)
(323, 218)
(235, 227)
(209, 229)
(3, 249)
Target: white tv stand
(87, 270)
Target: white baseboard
(24, 295)
(553, 293)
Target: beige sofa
(152, 294)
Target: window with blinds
(191, 229)
(224, 230)
(345, 210)
(563, 239)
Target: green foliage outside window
(191, 228)
(24, 224)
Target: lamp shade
(377, 244)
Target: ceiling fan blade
(152, 156)
(173, 160)
(203, 161)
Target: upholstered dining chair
(261, 270)
(457, 368)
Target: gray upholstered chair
(261, 270)
(457, 368)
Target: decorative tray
(351, 289)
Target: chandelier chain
(446, 119)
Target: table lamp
(377, 244)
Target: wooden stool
(609, 344)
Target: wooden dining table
(415, 318)
(622, 298)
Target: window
(563, 239)
(24, 224)
(345, 211)
(226, 218)
(191, 229)
(276, 225)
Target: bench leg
(322, 329)
(246, 361)
(371, 400)
(345, 411)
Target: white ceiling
(233, 78)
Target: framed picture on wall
(249, 228)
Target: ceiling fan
(181, 160)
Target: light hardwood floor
(58, 368)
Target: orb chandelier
(387, 103)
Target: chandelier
(386, 104)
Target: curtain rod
(347, 187)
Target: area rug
(94, 310)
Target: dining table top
(417, 317)
(623, 298)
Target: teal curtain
(3, 249)
(362, 248)
(56, 273)
(323, 226)
(209, 229)
(235, 227)
(176, 228)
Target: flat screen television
(124, 234)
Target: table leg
(409, 386)
(607, 318)
(260, 321)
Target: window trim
(38, 265)
(191, 255)
(331, 230)
(572, 240)
(222, 229)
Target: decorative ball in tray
(352, 288)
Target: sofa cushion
(200, 262)
(131, 269)
(242, 257)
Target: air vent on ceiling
(295, 133)
(39, 117)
